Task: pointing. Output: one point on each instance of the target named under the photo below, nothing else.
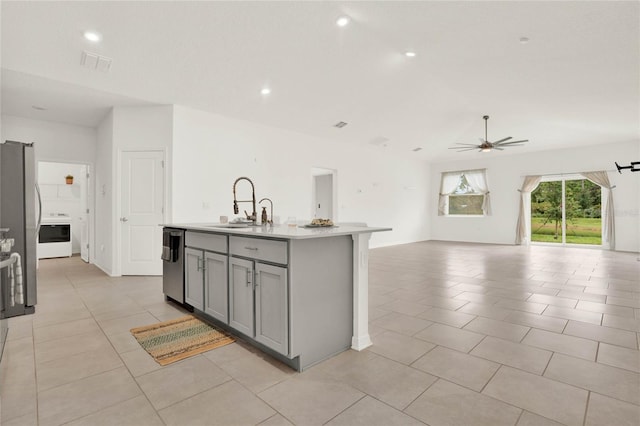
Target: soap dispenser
(264, 219)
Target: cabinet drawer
(256, 248)
(211, 242)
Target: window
(566, 210)
(464, 193)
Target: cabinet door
(193, 278)
(241, 295)
(272, 328)
(215, 285)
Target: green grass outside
(579, 231)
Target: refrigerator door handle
(39, 210)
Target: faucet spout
(270, 222)
(253, 215)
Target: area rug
(180, 338)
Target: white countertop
(277, 231)
(56, 220)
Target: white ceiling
(575, 83)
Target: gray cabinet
(241, 281)
(215, 285)
(292, 298)
(194, 278)
(258, 291)
(272, 307)
(206, 274)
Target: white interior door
(323, 196)
(141, 207)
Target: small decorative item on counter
(69, 179)
(322, 222)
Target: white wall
(505, 175)
(211, 151)
(124, 129)
(103, 247)
(53, 141)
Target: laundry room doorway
(66, 197)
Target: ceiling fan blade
(468, 144)
(465, 149)
(521, 141)
(498, 148)
(462, 148)
(513, 143)
(502, 140)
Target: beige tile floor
(464, 334)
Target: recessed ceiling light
(38, 108)
(343, 21)
(265, 91)
(92, 36)
(524, 40)
(410, 54)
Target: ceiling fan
(485, 145)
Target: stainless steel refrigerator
(19, 212)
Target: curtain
(478, 181)
(601, 178)
(448, 185)
(530, 183)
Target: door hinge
(88, 175)
(162, 162)
(87, 210)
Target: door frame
(322, 171)
(117, 205)
(91, 200)
(562, 178)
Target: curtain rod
(566, 174)
(570, 174)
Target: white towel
(12, 286)
(17, 274)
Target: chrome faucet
(236, 210)
(270, 222)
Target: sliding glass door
(566, 210)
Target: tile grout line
(586, 409)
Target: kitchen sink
(231, 225)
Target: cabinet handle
(251, 248)
(249, 273)
(200, 265)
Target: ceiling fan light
(485, 150)
(92, 36)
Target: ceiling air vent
(417, 149)
(340, 124)
(93, 61)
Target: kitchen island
(300, 294)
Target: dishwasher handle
(171, 242)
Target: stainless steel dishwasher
(173, 264)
